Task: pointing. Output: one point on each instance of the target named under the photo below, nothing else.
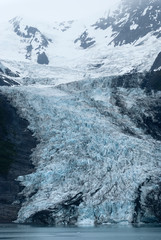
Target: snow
(134, 26)
(123, 20)
(145, 11)
(67, 61)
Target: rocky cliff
(16, 144)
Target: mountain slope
(99, 46)
(132, 21)
(16, 142)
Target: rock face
(42, 59)
(133, 20)
(149, 118)
(157, 63)
(16, 143)
(5, 81)
(85, 41)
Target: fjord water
(114, 232)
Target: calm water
(18, 232)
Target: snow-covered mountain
(33, 39)
(91, 94)
(102, 45)
(132, 21)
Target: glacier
(96, 115)
(86, 153)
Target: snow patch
(145, 11)
(134, 26)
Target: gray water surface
(115, 232)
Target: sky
(53, 9)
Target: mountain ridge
(131, 26)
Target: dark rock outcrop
(157, 63)
(4, 81)
(85, 40)
(42, 59)
(5, 76)
(16, 144)
(9, 73)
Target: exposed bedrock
(145, 111)
(16, 144)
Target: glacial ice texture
(92, 158)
